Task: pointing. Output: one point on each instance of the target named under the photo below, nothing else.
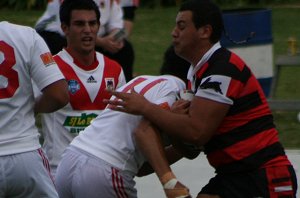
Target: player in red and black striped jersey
(229, 115)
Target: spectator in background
(129, 8)
(111, 21)
(229, 115)
(25, 57)
(89, 74)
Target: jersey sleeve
(43, 68)
(215, 87)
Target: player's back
(109, 137)
(17, 122)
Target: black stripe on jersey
(240, 133)
(245, 103)
(255, 160)
(219, 65)
(280, 180)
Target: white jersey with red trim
(20, 63)
(110, 10)
(87, 89)
(109, 137)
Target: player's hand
(109, 44)
(181, 106)
(132, 102)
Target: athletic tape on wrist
(170, 184)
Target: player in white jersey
(104, 158)
(24, 57)
(111, 21)
(88, 74)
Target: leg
(84, 175)
(27, 175)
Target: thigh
(81, 175)
(28, 175)
(65, 173)
(96, 177)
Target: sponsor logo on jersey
(78, 123)
(73, 86)
(110, 83)
(91, 79)
(47, 58)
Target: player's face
(82, 32)
(187, 38)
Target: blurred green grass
(152, 35)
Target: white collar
(193, 70)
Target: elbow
(197, 138)
(61, 100)
(57, 95)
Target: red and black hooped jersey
(247, 138)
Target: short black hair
(174, 64)
(68, 6)
(205, 12)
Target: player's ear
(64, 28)
(205, 31)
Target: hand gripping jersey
(109, 137)
(111, 17)
(24, 56)
(87, 89)
(247, 138)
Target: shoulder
(15, 28)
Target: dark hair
(68, 6)
(174, 65)
(205, 12)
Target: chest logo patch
(73, 86)
(109, 83)
(91, 79)
(215, 85)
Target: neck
(83, 57)
(197, 56)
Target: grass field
(152, 35)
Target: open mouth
(87, 39)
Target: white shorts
(82, 175)
(26, 175)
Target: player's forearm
(164, 119)
(54, 97)
(150, 144)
